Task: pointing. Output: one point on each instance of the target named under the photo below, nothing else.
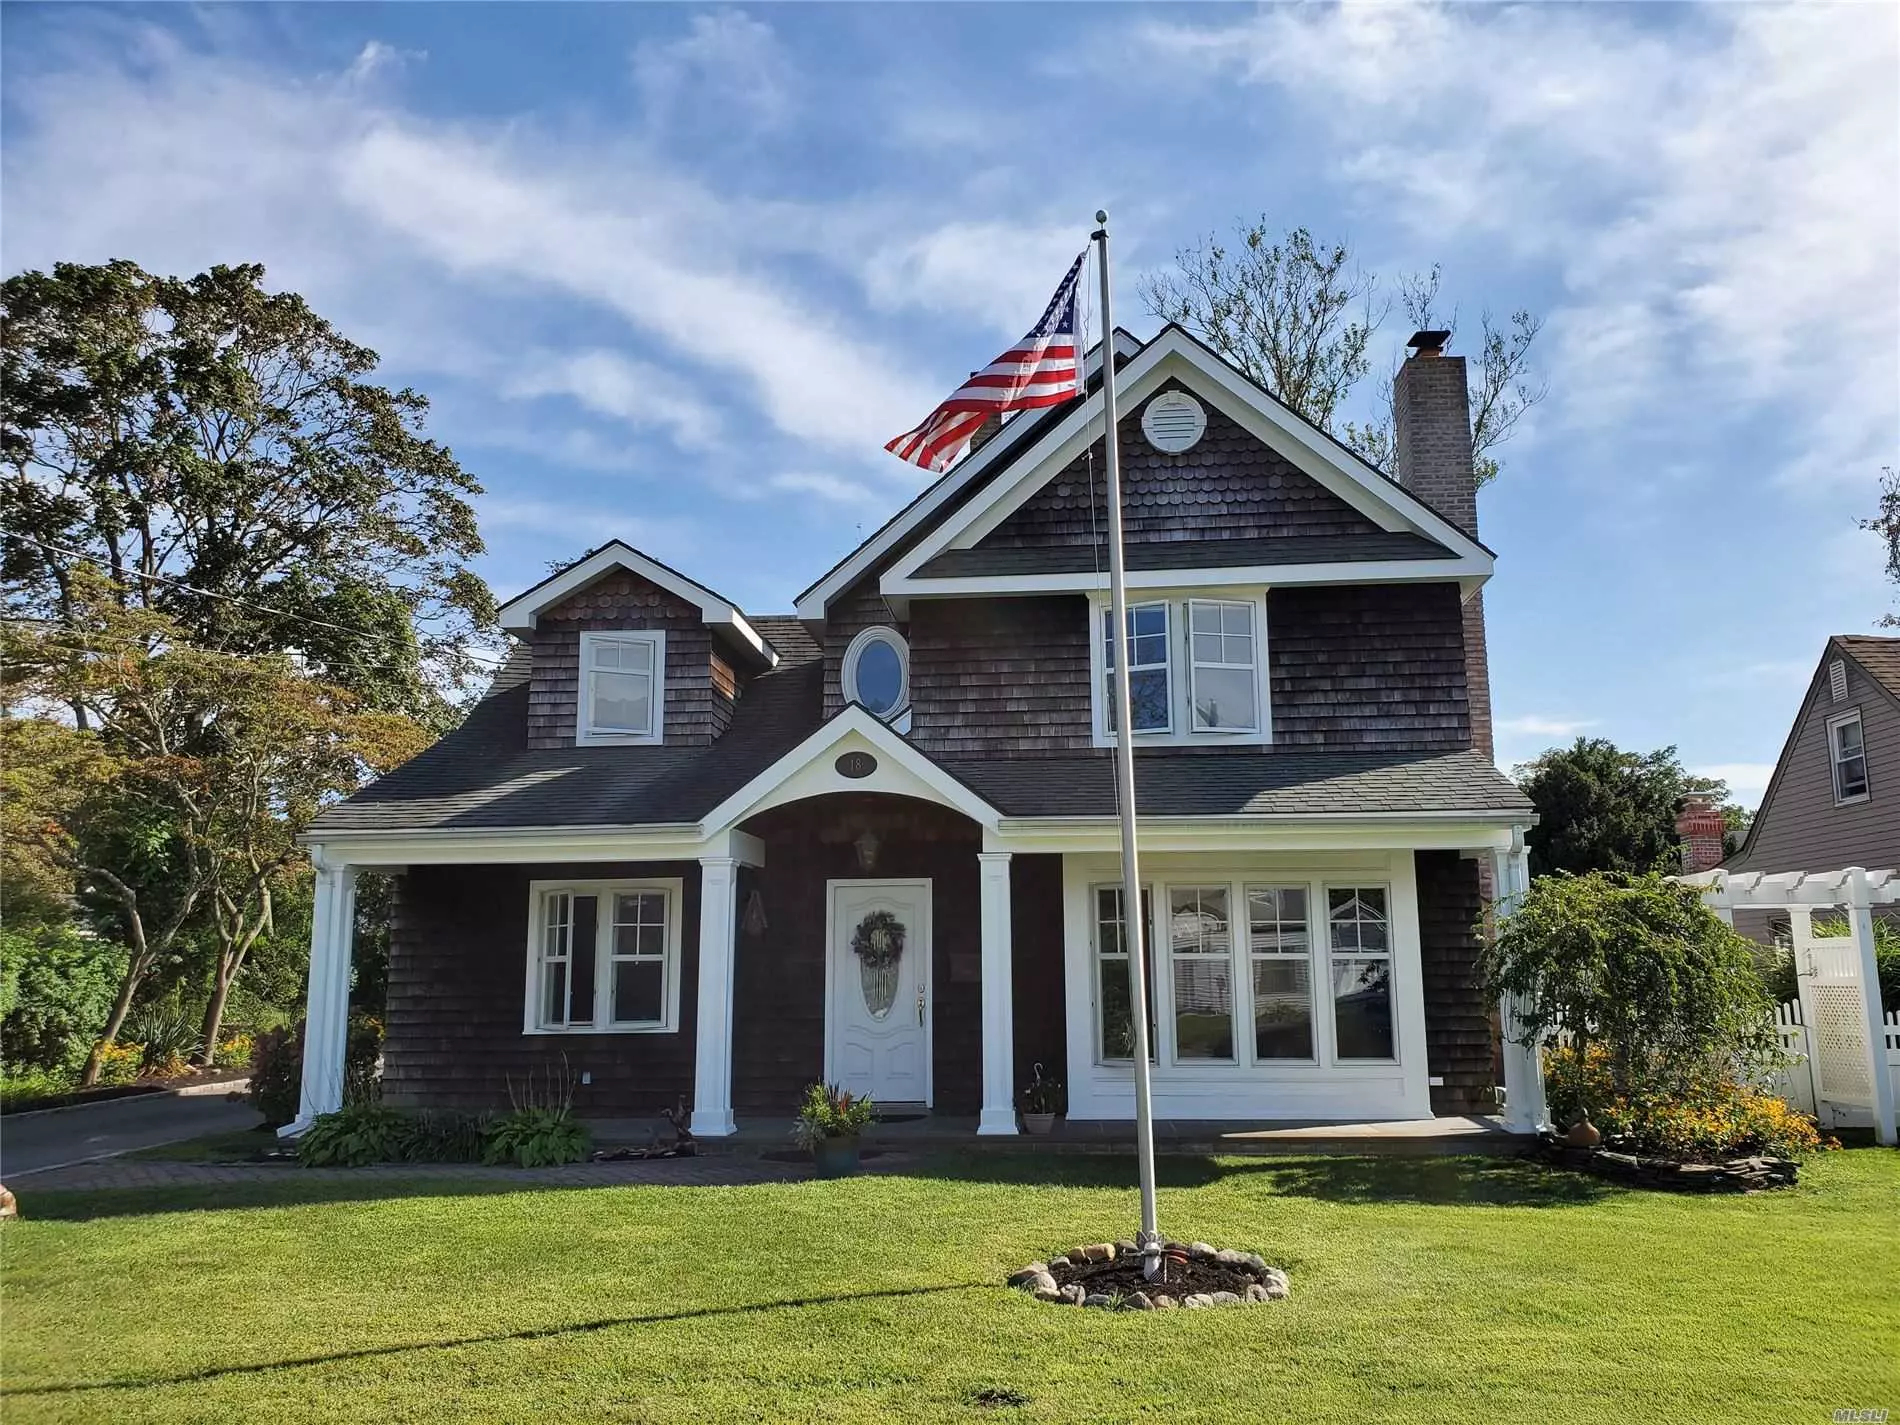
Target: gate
(1827, 972)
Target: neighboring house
(1834, 798)
(677, 846)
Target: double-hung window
(1197, 671)
(1201, 961)
(622, 692)
(1150, 693)
(1223, 673)
(1847, 749)
(604, 957)
(1280, 951)
(1359, 925)
(1114, 991)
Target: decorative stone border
(1238, 1278)
(1755, 1174)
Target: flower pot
(1038, 1123)
(835, 1157)
(1583, 1134)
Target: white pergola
(1838, 975)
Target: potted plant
(1042, 1101)
(829, 1123)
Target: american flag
(1039, 370)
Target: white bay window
(1197, 673)
(603, 957)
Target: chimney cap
(1428, 343)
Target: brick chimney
(1431, 411)
(1701, 828)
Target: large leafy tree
(1600, 808)
(1299, 315)
(180, 803)
(222, 453)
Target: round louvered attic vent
(1173, 422)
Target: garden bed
(1193, 1275)
(1750, 1174)
(105, 1093)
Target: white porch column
(327, 1007)
(999, 1034)
(712, 1048)
(1860, 916)
(1525, 1110)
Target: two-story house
(700, 853)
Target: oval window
(877, 671)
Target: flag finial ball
(1101, 215)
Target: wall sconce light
(866, 844)
(754, 922)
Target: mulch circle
(1178, 1278)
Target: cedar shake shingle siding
(1369, 666)
(623, 601)
(863, 607)
(1458, 1037)
(1004, 676)
(1799, 827)
(1229, 486)
(458, 951)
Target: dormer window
(622, 689)
(876, 672)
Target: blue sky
(675, 274)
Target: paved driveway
(38, 1141)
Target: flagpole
(1134, 923)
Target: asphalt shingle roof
(1879, 656)
(1273, 782)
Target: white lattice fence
(1796, 1082)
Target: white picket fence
(1796, 1082)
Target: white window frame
(1181, 731)
(1168, 957)
(1194, 664)
(848, 669)
(540, 894)
(1250, 957)
(1104, 700)
(1097, 955)
(585, 733)
(1389, 955)
(1834, 758)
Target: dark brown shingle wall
(1374, 665)
(1458, 1036)
(849, 615)
(1000, 675)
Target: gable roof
(519, 614)
(955, 482)
(1175, 355)
(1879, 659)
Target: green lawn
(1447, 1289)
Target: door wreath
(878, 942)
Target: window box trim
(1840, 720)
(673, 970)
(1181, 731)
(585, 734)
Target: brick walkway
(716, 1170)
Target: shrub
(234, 1051)
(1640, 967)
(23, 1087)
(1043, 1094)
(170, 1037)
(120, 1063)
(1707, 1119)
(831, 1112)
(57, 986)
(277, 1069)
(537, 1138)
(355, 1135)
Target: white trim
(1840, 720)
(327, 1012)
(809, 770)
(1100, 620)
(585, 733)
(998, 1117)
(1180, 731)
(538, 893)
(813, 602)
(927, 980)
(848, 668)
(1245, 1087)
(712, 1023)
(519, 614)
(1470, 574)
(1175, 355)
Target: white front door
(878, 1000)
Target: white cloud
(726, 64)
(609, 384)
(1719, 196)
(1538, 725)
(832, 488)
(1001, 274)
